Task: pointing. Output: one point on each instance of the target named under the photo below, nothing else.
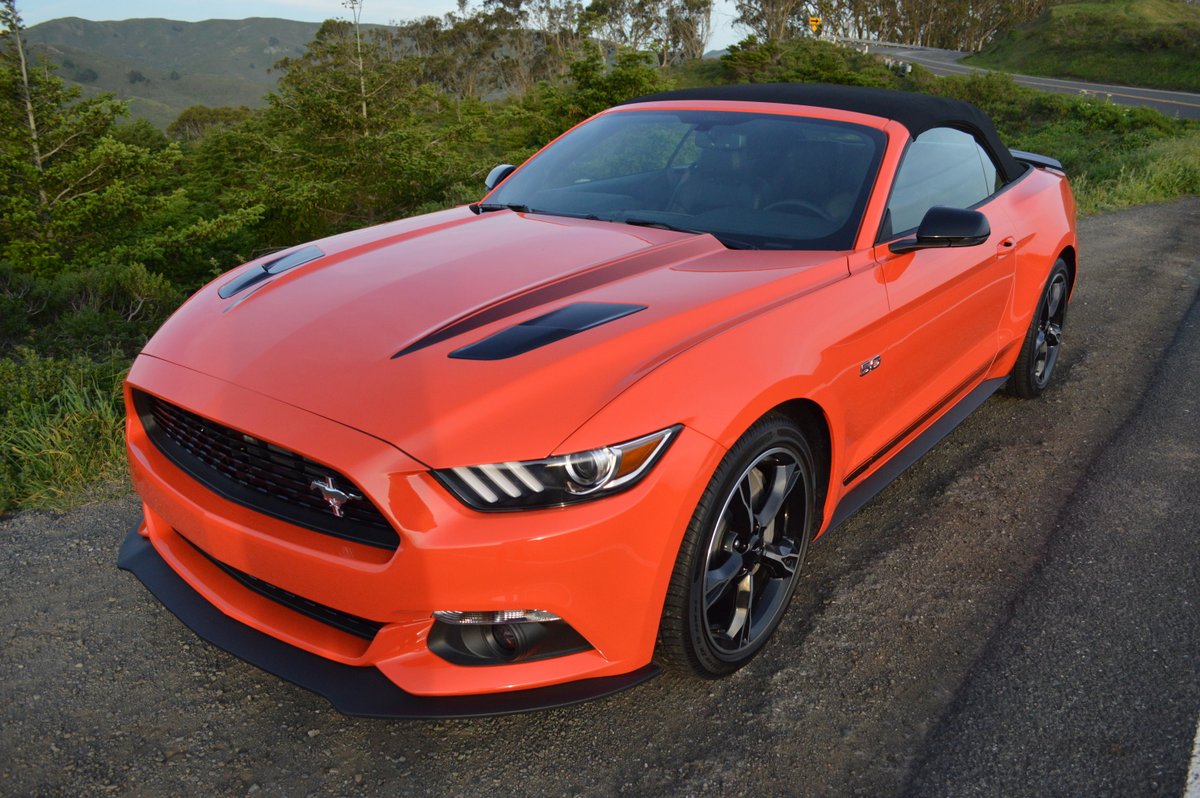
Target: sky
(374, 11)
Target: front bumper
(362, 691)
(602, 566)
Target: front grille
(351, 624)
(261, 475)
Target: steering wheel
(801, 206)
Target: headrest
(720, 137)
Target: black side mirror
(946, 227)
(497, 175)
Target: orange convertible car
(525, 452)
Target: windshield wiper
(727, 241)
(663, 226)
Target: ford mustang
(530, 451)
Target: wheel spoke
(781, 560)
(771, 594)
(718, 580)
(1054, 298)
(739, 626)
(782, 483)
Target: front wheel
(740, 559)
(1044, 339)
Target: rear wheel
(740, 559)
(1039, 353)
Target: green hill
(162, 66)
(1131, 42)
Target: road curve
(1182, 104)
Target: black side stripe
(911, 428)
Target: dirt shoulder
(103, 691)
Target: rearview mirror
(946, 227)
(497, 175)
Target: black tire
(735, 574)
(1044, 339)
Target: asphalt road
(1185, 105)
(1091, 682)
(1015, 615)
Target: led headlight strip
(555, 481)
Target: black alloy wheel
(741, 557)
(1044, 339)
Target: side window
(943, 166)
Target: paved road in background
(946, 62)
(1016, 615)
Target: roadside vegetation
(1127, 42)
(107, 224)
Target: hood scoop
(546, 329)
(269, 269)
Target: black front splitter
(352, 690)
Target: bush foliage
(106, 225)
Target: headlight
(556, 481)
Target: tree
(689, 26)
(771, 20)
(196, 121)
(78, 191)
(320, 165)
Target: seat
(807, 177)
(720, 177)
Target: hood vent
(269, 269)
(553, 326)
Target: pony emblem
(336, 498)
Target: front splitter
(353, 690)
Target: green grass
(1159, 172)
(61, 431)
(1129, 42)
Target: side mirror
(946, 227)
(497, 175)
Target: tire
(740, 559)
(1043, 341)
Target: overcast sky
(378, 11)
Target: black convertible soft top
(917, 112)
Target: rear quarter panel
(1042, 208)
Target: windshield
(755, 181)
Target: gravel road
(951, 591)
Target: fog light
(506, 638)
(490, 617)
(501, 637)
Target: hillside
(162, 66)
(1131, 42)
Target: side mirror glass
(946, 227)
(497, 175)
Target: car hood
(362, 335)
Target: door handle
(1006, 245)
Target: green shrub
(94, 311)
(61, 430)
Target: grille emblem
(336, 498)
